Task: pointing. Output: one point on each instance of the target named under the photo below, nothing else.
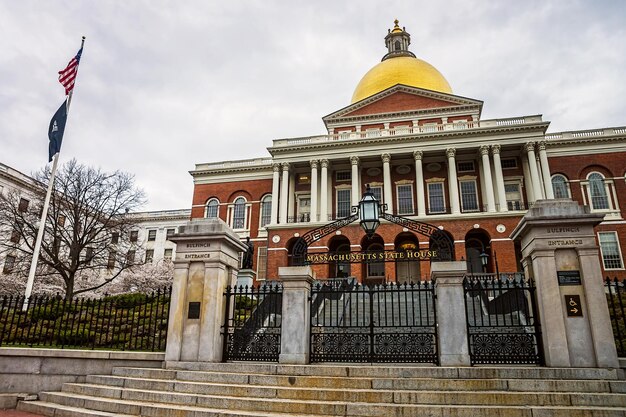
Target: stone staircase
(271, 390)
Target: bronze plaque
(574, 308)
(194, 310)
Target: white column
(324, 191)
(388, 194)
(275, 196)
(530, 193)
(453, 183)
(497, 166)
(419, 183)
(356, 195)
(491, 201)
(292, 197)
(284, 193)
(534, 173)
(314, 191)
(545, 170)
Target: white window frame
(608, 191)
(619, 251)
(231, 214)
(568, 191)
(379, 187)
(155, 231)
(342, 189)
(510, 203)
(266, 206)
(476, 202)
(303, 216)
(443, 194)
(206, 208)
(398, 205)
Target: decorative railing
(616, 300)
(126, 322)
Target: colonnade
(536, 170)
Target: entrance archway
(338, 269)
(407, 270)
(373, 272)
(477, 245)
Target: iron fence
(502, 321)
(252, 324)
(133, 321)
(390, 322)
(616, 300)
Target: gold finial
(396, 28)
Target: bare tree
(89, 230)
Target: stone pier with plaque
(559, 251)
(207, 260)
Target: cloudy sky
(164, 85)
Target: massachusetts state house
(429, 156)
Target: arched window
(212, 208)
(266, 210)
(560, 186)
(597, 192)
(239, 213)
(396, 45)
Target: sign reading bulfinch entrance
(370, 257)
(574, 308)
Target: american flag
(67, 76)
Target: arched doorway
(476, 249)
(442, 242)
(339, 269)
(407, 270)
(373, 271)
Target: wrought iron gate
(502, 321)
(252, 324)
(380, 323)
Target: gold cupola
(400, 66)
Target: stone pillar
(314, 191)
(419, 184)
(560, 253)
(284, 193)
(356, 194)
(530, 193)
(491, 201)
(387, 192)
(534, 173)
(207, 260)
(275, 196)
(324, 191)
(545, 170)
(453, 183)
(497, 167)
(291, 205)
(451, 315)
(296, 314)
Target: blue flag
(55, 131)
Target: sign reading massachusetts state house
(366, 256)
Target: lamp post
(369, 211)
(484, 259)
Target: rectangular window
(343, 176)
(15, 236)
(508, 163)
(343, 203)
(130, 257)
(23, 206)
(261, 265)
(170, 233)
(134, 234)
(513, 196)
(378, 193)
(304, 208)
(405, 199)
(466, 166)
(152, 235)
(111, 260)
(149, 255)
(609, 247)
(88, 255)
(115, 237)
(167, 255)
(469, 198)
(266, 212)
(9, 264)
(436, 200)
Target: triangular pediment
(401, 99)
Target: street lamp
(484, 259)
(369, 212)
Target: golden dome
(405, 70)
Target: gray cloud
(164, 85)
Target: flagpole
(44, 213)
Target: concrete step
(418, 384)
(115, 407)
(51, 409)
(238, 395)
